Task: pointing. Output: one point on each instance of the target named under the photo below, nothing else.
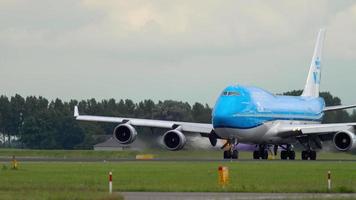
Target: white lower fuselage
(267, 133)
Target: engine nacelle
(174, 140)
(125, 133)
(344, 140)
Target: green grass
(57, 180)
(53, 181)
(88, 180)
(111, 154)
(66, 153)
(213, 154)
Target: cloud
(159, 26)
(341, 34)
(172, 45)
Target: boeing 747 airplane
(251, 115)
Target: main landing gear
(287, 153)
(230, 149)
(309, 155)
(262, 152)
(263, 149)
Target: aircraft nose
(218, 120)
(220, 117)
(222, 112)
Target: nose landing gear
(230, 149)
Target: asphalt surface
(64, 159)
(232, 196)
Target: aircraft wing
(341, 107)
(186, 126)
(312, 129)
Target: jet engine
(174, 140)
(125, 133)
(344, 140)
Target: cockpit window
(231, 93)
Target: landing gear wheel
(306, 155)
(230, 148)
(235, 154)
(261, 153)
(227, 154)
(284, 155)
(256, 155)
(264, 155)
(291, 155)
(287, 155)
(312, 155)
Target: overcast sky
(176, 49)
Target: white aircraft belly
(259, 134)
(252, 135)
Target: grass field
(55, 180)
(213, 154)
(88, 180)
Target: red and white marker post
(110, 182)
(329, 180)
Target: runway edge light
(14, 163)
(329, 181)
(110, 182)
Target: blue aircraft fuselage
(242, 107)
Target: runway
(231, 196)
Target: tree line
(37, 123)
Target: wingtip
(76, 111)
